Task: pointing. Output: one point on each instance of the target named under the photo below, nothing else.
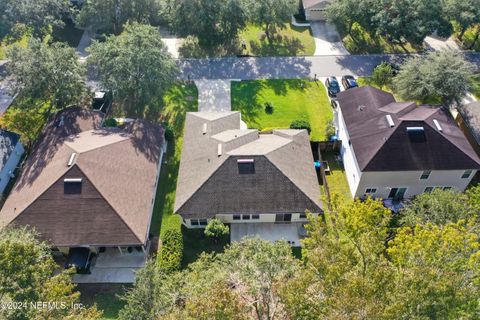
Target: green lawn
(292, 100)
(476, 86)
(364, 43)
(180, 99)
(289, 41)
(195, 242)
(105, 296)
(336, 179)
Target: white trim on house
(8, 170)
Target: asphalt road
(288, 67)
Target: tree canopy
(136, 66)
(27, 274)
(441, 74)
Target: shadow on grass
(195, 242)
(106, 296)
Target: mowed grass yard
(288, 41)
(476, 86)
(293, 99)
(336, 179)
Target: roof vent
(219, 149)
(391, 124)
(72, 180)
(204, 131)
(361, 107)
(72, 159)
(437, 124)
(416, 134)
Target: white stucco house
(260, 184)
(11, 151)
(315, 9)
(395, 150)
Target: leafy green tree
(464, 12)
(27, 274)
(110, 15)
(28, 122)
(45, 73)
(39, 15)
(383, 75)
(437, 273)
(240, 283)
(213, 22)
(346, 274)
(216, 229)
(441, 74)
(136, 66)
(439, 207)
(271, 13)
(408, 20)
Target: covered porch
(113, 266)
(290, 232)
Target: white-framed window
(447, 188)
(198, 222)
(466, 174)
(303, 215)
(370, 191)
(255, 217)
(237, 217)
(428, 189)
(245, 217)
(425, 175)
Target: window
(194, 222)
(246, 166)
(203, 222)
(245, 217)
(428, 189)
(466, 174)
(303, 215)
(447, 188)
(255, 217)
(236, 217)
(72, 186)
(425, 175)
(370, 191)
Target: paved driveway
(213, 95)
(327, 39)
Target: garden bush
(171, 251)
(268, 108)
(169, 134)
(301, 124)
(110, 122)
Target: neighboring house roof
(8, 142)
(307, 4)
(6, 97)
(471, 115)
(119, 168)
(208, 183)
(379, 147)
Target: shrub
(216, 229)
(331, 130)
(169, 134)
(301, 124)
(171, 252)
(110, 122)
(268, 107)
(383, 74)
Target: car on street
(349, 82)
(333, 86)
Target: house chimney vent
(391, 124)
(204, 130)
(219, 149)
(72, 159)
(437, 124)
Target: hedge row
(171, 251)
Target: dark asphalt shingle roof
(378, 147)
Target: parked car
(101, 101)
(332, 86)
(349, 82)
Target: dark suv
(332, 86)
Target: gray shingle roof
(379, 147)
(471, 115)
(208, 183)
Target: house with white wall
(315, 9)
(11, 151)
(396, 150)
(260, 184)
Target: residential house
(315, 9)
(396, 150)
(468, 118)
(11, 151)
(89, 186)
(261, 184)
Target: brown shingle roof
(471, 115)
(120, 164)
(209, 184)
(378, 147)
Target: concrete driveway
(214, 95)
(327, 39)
